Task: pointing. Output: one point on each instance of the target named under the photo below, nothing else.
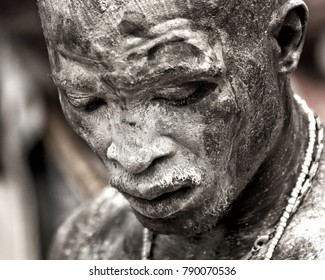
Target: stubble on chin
(192, 222)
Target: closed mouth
(163, 206)
(168, 195)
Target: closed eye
(186, 94)
(83, 102)
(93, 104)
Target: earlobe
(289, 25)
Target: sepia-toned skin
(188, 105)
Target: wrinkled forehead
(112, 19)
(107, 14)
(87, 25)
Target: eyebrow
(66, 84)
(77, 91)
(78, 58)
(85, 61)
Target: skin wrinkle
(231, 150)
(84, 61)
(237, 127)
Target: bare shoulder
(304, 237)
(98, 230)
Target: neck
(259, 207)
(265, 196)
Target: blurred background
(46, 171)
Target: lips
(168, 202)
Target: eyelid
(177, 92)
(199, 90)
(85, 104)
(77, 99)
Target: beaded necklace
(304, 182)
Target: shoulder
(99, 230)
(304, 237)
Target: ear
(288, 27)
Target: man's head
(181, 100)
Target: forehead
(86, 25)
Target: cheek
(222, 120)
(94, 128)
(184, 125)
(262, 120)
(261, 117)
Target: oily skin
(137, 79)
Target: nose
(137, 154)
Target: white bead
(304, 170)
(312, 121)
(278, 235)
(268, 256)
(295, 193)
(310, 150)
(289, 208)
(305, 186)
(283, 220)
(279, 231)
(280, 228)
(309, 158)
(274, 242)
(301, 178)
(286, 215)
(298, 188)
(313, 170)
(300, 181)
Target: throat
(206, 246)
(216, 244)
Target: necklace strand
(306, 176)
(146, 244)
(308, 171)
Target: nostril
(137, 167)
(115, 163)
(156, 161)
(137, 158)
(153, 164)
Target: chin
(190, 223)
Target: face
(181, 106)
